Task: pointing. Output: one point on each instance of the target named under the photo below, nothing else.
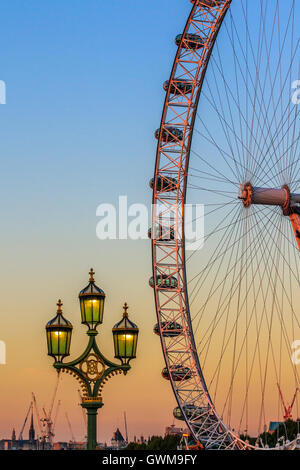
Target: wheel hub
(270, 197)
(282, 197)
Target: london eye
(227, 303)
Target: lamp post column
(92, 412)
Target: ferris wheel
(227, 302)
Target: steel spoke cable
(212, 211)
(238, 279)
(270, 259)
(220, 193)
(263, 88)
(268, 71)
(228, 396)
(238, 93)
(258, 324)
(208, 164)
(223, 121)
(237, 138)
(283, 258)
(276, 73)
(199, 286)
(270, 346)
(277, 105)
(281, 171)
(255, 88)
(228, 340)
(257, 348)
(216, 288)
(211, 177)
(246, 82)
(211, 140)
(238, 232)
(210, 262)
(293, 156)
(276, 162)
(225, 247)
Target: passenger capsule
(169, 134)
(169, 329)
(191, 41)
(164, 281)
(163, 234)
(179, 87)
(164, 184)
(178, 373)
(191, 411)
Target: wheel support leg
(295, 220)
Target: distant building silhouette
(31, 430)
(171, 430)
(118, 440)
(14, 444)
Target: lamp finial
(59, 305)
(92, 273)
(125, 313)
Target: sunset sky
(84, 94)
(84, 97)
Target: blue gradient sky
(84, 96)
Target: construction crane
(56, 414)
(287, 409)
(42, 431)
(54, 394)
(70, 428)
(83, 412)
(126, 431)
(25, 421)
(47, 421)
(50, 425)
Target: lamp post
(91, 369)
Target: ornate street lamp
(92, 369)
(59, 333)
(91, 304)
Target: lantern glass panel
(59, 342)
(125, 344)
(92, 310)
